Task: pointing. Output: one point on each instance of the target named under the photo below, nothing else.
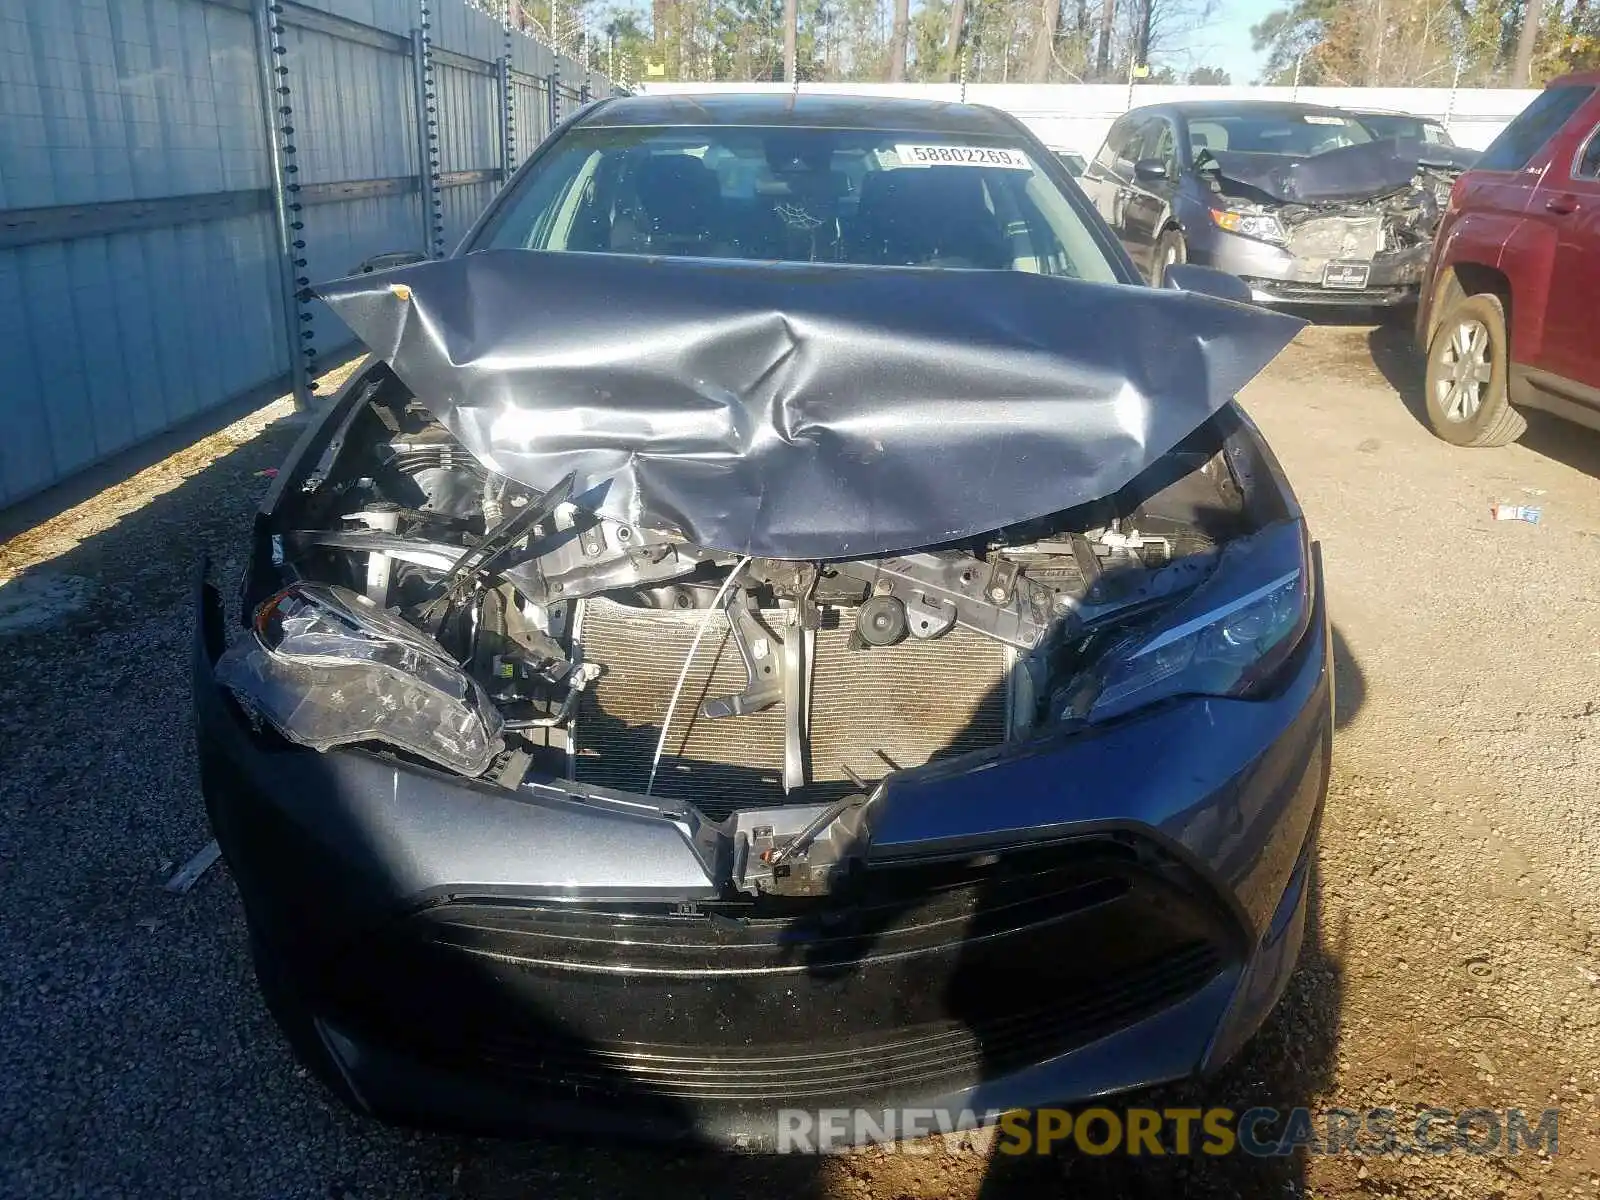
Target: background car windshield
(1409, 128)
(1301, 134)
(801, 195)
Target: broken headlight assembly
(1263, 227)
(327, 667)
(1228, 638)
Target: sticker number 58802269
(963, 156)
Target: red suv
(1510, 313)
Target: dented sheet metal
(796, 411)
(1351, 173)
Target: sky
(1224, 41)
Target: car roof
(1238, 108)
(813, 110)
(1590, 78)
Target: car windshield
(801, 195)
(1302, 134)
(1415, 129)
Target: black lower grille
(1315, 293)
(917, 978)
(926, 1057)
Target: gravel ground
(1453, 961)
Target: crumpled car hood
(1349, 173)
(805, 412)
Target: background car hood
(1349, 173)
(798, 411)
(1449, 158)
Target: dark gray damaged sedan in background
(783, 619)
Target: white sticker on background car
(1318, 119)
(962, 156)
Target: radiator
(914, 702)
(1356, 238)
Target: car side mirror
(1150, 170)
(1207, 281)
(384, 262)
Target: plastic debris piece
(1517, 512)
(267, 473)
(189, 874)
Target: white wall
(1071, 116)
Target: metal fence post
(508, 103)
(428, 189)
(419, 95)
(555, 87)
(277, 111)
(503, 78)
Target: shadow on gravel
(1395, 354)
(1351, 316)
(1349, 682)
(1576, 446)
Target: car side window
(1161, 141)
(1140, 136)
(1106, 160)
(1589, 161)
(1207, 135)
(1533, 127)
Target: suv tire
(1468, 359)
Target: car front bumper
(1276, 276)
(1069, 919)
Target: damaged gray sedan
(1306, 204)
(783, 619)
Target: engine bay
(438, 567)
(1395, 221)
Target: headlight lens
(1262, 226)
(327, 667)
(1227, 639)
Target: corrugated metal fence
(144, 275)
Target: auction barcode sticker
(962, 156)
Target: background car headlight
(1228, 638)
(1262, 226)
(326, 667)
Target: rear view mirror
(1207, 281)
(384, 262)
(1150, 170)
